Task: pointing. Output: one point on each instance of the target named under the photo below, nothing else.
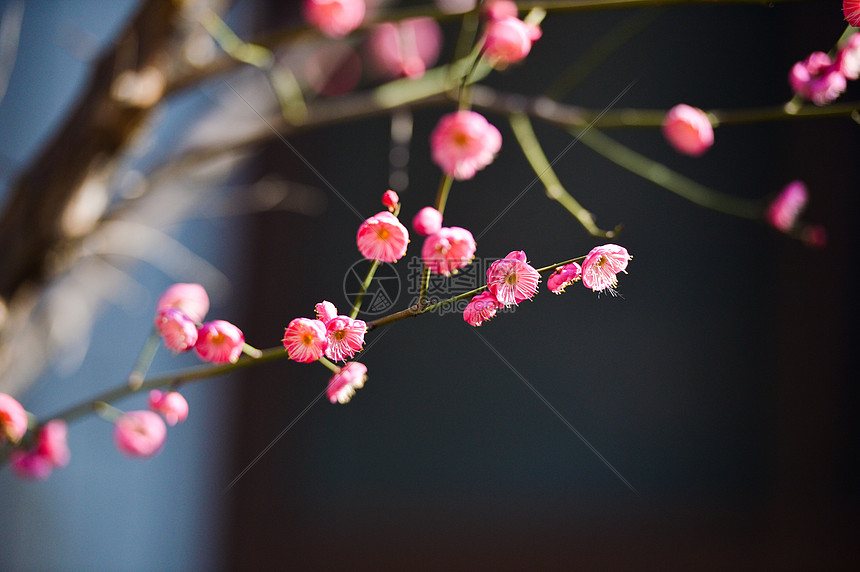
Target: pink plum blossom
(448, 250)
(390, 200)
(463, 143)
(345, 337)
(481, 308)
(190, 299)
(171, 405)
(427, 221)
(178, 331)
(30, 465)
(851, 10)
(382, 238)
(326, 311)
(848, 58)
(508, 40)
(817, 79)
(512, 280)
(219, 342)
(498, 9)
(335, 18)
(343, 384)
(51, 451)
(601, 265)
(305, 340)
(13, 419)
(52, 443)
(782, 213)
(405, 48)
(563, 277)
(688, 130)
(139, 433)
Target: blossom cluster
(512, 280)
(821, 78)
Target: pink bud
(390, 200)
(219, 342)
(190, 299)
(13, 419)
(427, 221)
(326, 311)
(509, 40)
(335, 18)
(563, 277)
(171, 405)
(139, 433)
(688, 130)
(463, 143)
(177, 330)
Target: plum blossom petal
(305, 340)
(481, 308)
(342, 385)
(512, 280)
(382, 237)
(139, 433)
(463, 143)
(602, 264)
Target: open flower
(512, 280)
(305, 340)
(782, 213)
(342, 385)
(688, 130)
(448, 250)
(382, 237)
(345, 337)
(481, 308)
(219, 342)
(335, 18)
(463, 143)
(13, 419)
(178, 331)
(190, 299)
(139, 433)
(602, 264)
(563, 277)
(171, 405)
(851, 10)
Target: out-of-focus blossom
(448, 250)
(219, 342)
(508, 40)
(178, 331)
(382, 237)
(13, 419)
(481, 308)
(335, 18)
(139, 433)
(171, 405)
(30, 465)
(52, 443)
(405, 48)
(512, 280)
(463, 143)
(602, 264)
(342, 385)
(817, 79)
(498, 9)
(305, 340)
(848, 58)
(782, 213)
(688, 130)
(427, 221)
(190, 299)
(333, 69)
(563, 276)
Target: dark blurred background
(718, 383)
